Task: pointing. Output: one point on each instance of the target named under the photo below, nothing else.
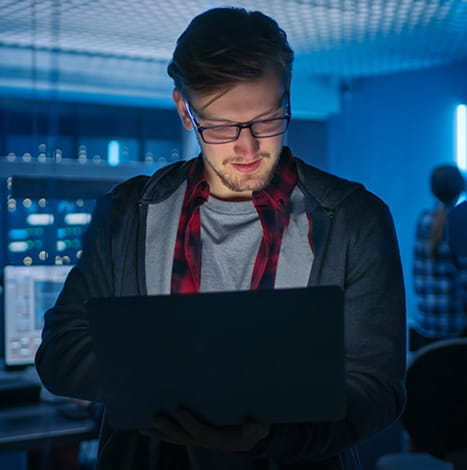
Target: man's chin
(251, 184)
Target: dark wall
(308, 140)
(391, 132)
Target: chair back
(435, 416)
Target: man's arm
(65, 359)
(363, 240)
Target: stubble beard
(245, 181)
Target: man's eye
(227, 130)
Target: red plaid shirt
(272, 205)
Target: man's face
(235, 169)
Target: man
(245, 214)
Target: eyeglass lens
(266, 128)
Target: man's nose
(246, 144)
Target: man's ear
(181, 109)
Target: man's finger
(155, 434)
(171, 430)
(227, 438)
(193, 426)
(255, 431)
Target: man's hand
(185, 429)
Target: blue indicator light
(18, 234)
(113, 153)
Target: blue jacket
(355, 248)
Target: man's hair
(225, 46)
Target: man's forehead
(270, 79)
(225, 114)
(256, 99)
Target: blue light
(113, 153)
(461, 136)
(18, 234)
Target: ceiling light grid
(384, 36)
(329, 37)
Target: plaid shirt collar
(271, 203)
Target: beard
(239, 182)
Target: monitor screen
(28, 292)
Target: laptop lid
(268, 355)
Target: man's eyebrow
(228, 121)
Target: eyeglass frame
(191, 113)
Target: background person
(440, 281)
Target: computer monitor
(28, 292)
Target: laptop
(272, 356)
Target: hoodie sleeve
(65, 359)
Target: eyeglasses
(224, 134)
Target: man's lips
(247, 167)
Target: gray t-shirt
(231, 235)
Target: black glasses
(224, 134)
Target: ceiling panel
(338, 37)
(127, 43)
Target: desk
(40, 425)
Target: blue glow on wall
(461, 136)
